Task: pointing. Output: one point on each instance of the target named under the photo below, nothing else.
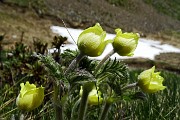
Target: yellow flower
(30, 97)
(125, 43)
(91, 41)
(150, 81)
(93, 96)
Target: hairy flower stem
(1, 63)
(83, 106)
(57, 106)
(129, 86)
(21, 117)
(87, 87)
(104, 60)
(105, 110)
(75, 62)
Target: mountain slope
(133, 15)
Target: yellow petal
(94, 97)
(150, 82)
(26, 87)
(30, 97)
(91, 41)
(155, 88)
(125, 43)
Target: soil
(15, 21)
(136, 17)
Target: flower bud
(125, 43)
(91, 41)
(150, 81)
(30, 97)
(93, 96)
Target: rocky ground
(136, 17)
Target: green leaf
(115, 74)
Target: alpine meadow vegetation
(36, 84)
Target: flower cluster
(92, 41)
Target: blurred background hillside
(160, 19)
(32, 19)
(157, 20)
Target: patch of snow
(145, 49)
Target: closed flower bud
(125, 43)
(93, 96)
(30, 97)
(91, 41)
(150, 81)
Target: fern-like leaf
(115, 74)
(54, 68)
